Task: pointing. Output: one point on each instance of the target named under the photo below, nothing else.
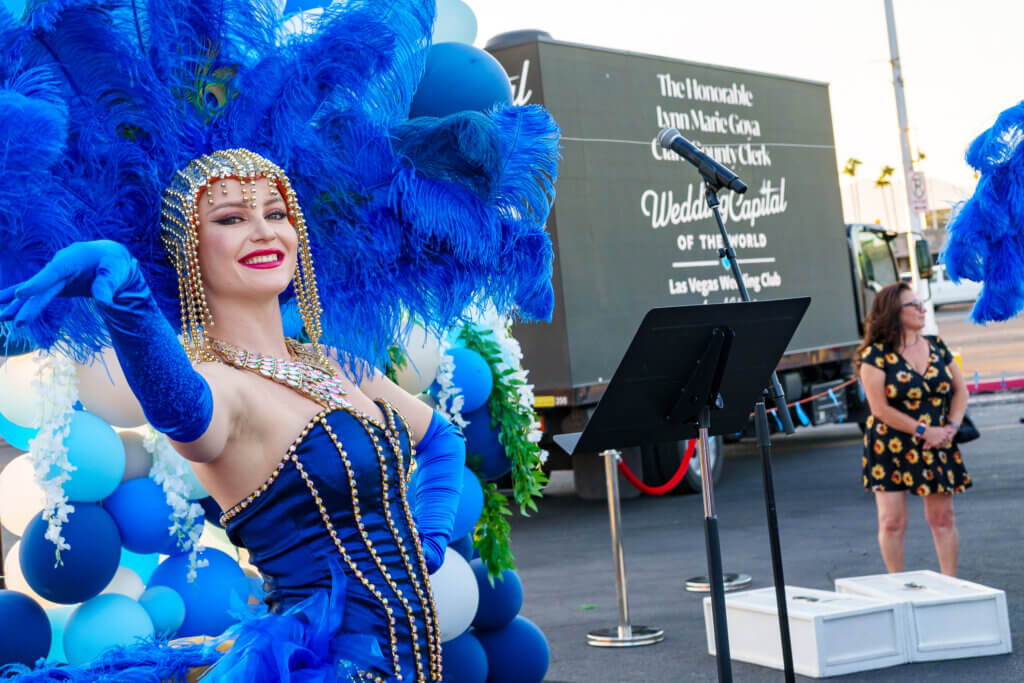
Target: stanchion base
(639, 635)
(732, 582)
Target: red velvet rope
(691, 446)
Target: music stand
(685, 365)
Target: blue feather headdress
(986, 236)
(101, 101)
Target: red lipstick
(262, 262)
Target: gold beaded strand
(411, 522)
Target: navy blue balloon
(483, 449)
(463, 546)
(212, 510)
(471, 504)
(85, 569)
(499, 604)
(460, 77)
(465, 660)
(518, 653)
(24, 629)
(139, 506)
(208, 598)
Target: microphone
(669, 138)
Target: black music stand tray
(685, 366)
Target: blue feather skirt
(305, 644)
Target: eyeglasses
(919, 305)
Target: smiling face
(247, 244)
(911, 312)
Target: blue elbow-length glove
(441, 461)
(174, 397)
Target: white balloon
(108, 395)
(19, 400)
(137, 460)
(422, 356)
(16, 580)
(20, 496)
(125, 582)
(298, 24)
(455, 23)
(456, 595)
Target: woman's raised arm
(176, 399)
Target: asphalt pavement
(828, 530)
(993, 352)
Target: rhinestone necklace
(305, 372)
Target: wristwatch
(921, 426)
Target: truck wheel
(662, 461)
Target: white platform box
(831, 633)
(947, 618)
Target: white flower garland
(448, 391)
(56, 386)
(170, 470)
(512, 359)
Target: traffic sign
(918, 192)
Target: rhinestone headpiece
(179, 224)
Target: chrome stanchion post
(625, 634)
(721, 629)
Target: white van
(944, 291)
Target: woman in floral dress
(918, 398)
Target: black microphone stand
(764, 442)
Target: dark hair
(883, 325)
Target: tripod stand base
(635, 637)
(732, 582)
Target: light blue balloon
(97, 454)
(58, 617)
(104, 622)
(455, 23)
(165, 608)
(15, 7)
(143, 565)
(195, 489)
(15, 434)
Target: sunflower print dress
(897, 461)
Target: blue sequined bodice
(340, 493)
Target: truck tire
(661, 462)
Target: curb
(1003, 397)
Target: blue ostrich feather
(986, 242)
(406, 218)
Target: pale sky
(961, 60)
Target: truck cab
(872, 263)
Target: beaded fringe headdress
(179, 226)
(101, 101)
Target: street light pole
(914, 229)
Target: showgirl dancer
(140, 196)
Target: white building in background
(863, 202)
